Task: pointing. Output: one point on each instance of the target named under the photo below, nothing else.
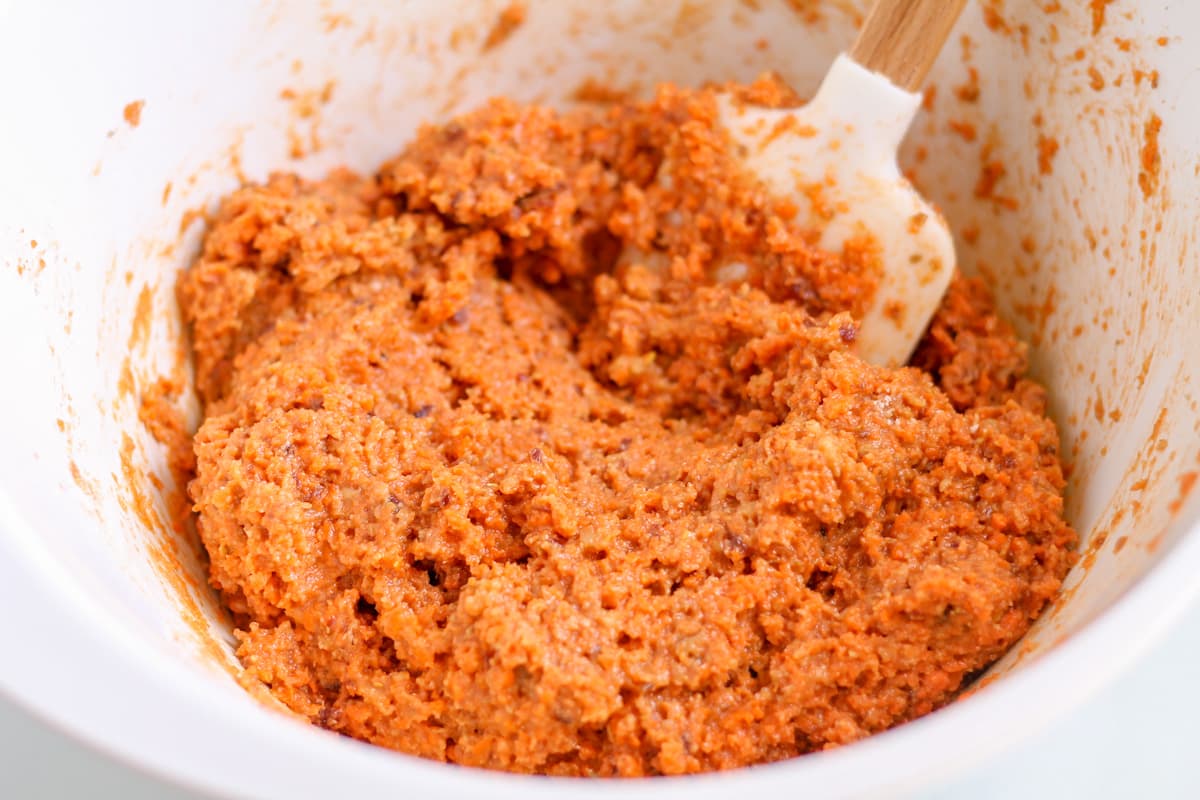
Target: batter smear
(516, 457)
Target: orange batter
(479, 487)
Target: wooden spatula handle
(902, 38)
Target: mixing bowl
(1061, 140)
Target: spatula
(845, 142)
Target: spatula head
(841, 147)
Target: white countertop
(1138, 738)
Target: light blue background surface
(1139, 738)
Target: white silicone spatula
(844, 141)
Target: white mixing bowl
(1062, 141)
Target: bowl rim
(130, 700)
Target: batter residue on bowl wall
(479, 488)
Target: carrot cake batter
(516, 457)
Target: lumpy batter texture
(519, 457)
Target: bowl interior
(1056, 138)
